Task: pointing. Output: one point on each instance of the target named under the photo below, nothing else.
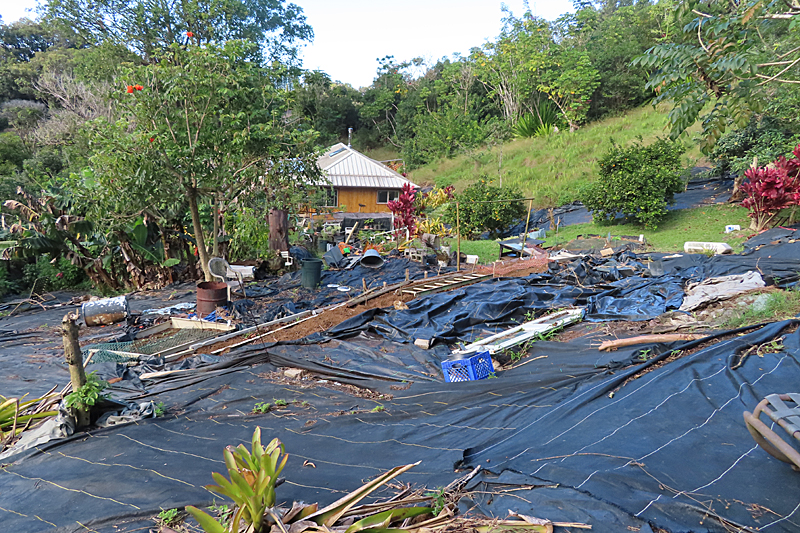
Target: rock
(760, 303)
(293, 373)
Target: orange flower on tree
(129, 89)
(190, 34)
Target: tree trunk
(74, 359)
(278, 230)
(215, 247)
(198, 234)
(737, 195)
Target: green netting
(110, 351)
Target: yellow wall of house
(351, 198)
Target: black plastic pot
(312, 271)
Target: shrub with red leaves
(129, 89)
(404, 210)
(771, 189)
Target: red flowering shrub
(404, 210)
(129, 89)
(771, 189)
(189, 34)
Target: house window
(384, 197)
(330, 197)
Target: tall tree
(151, 25)
(726, 63)
(200, 122)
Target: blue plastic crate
(479, 366)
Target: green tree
(485, 207)
(329, 108)
(148, 26)
(201, 122)
(726, 63)
(638, 181)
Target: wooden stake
(406, 274)
(458, 240)
(74, 358)
(524, 239)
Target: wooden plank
(520, 334)
(186, 323)
(456, 284)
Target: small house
(359, 184)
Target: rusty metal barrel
(210, 295)
(105, 311)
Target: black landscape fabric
(614, 439)
(669, 448)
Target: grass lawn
(698, 224)
(487, 250)
(551, 169)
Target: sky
(350, 35)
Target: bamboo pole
(458, 239)
(74, 359)
(524, 239)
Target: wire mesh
(109, 351)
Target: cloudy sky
(350, 35)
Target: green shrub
(765, 138)
(6, 285)
(249, 234)
(638, 181)
(89, 394)
(476, 216)
(44, 275)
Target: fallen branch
(607, 346)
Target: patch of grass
(487, 250)
(552, 169)
(169, 517)
(378, 409)
(778, 305)
(381, 153)
(705, 223)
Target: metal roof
(345, 167)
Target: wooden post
(74, 358)
(407, 275)
(458, 240)
(525, 235)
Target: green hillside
(550, 169)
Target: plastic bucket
(106, 311)
(371, 259)
(312, 271)
(210, 295)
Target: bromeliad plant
(253, 476)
